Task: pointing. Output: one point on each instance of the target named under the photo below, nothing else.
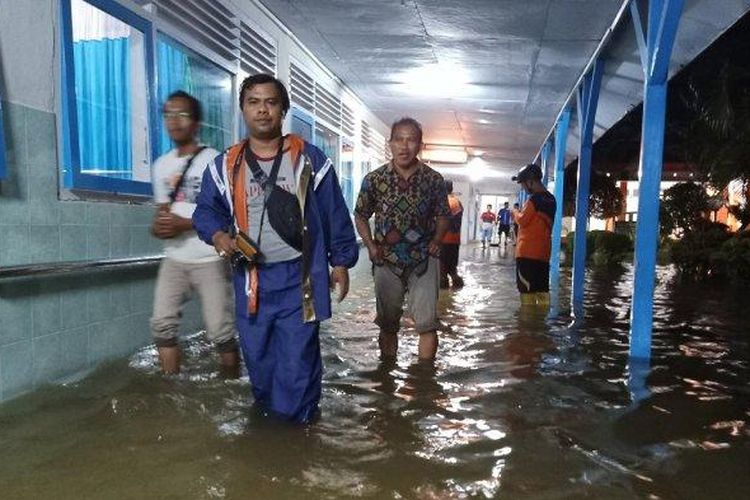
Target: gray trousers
(422, 292)
(175, 285)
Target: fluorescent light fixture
(444, 155)
(477, 169)
(477, 174)
(436, 80)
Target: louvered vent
(347, 120)
(257, 53)
(327, 106)
(302, 88)
(207, 21)
(379, 146)
(367, 142)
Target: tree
(682, 207)
(715, 134)
(605, 198)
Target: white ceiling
(516, 61)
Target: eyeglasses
(181, 115)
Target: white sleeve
(158, 182)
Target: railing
(77, 266)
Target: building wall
(54, 328)
(62, 326)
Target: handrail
(55, 268)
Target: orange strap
(239, 201)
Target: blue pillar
(546, 150)
(561, 140)
(588, 99)
(656, 50)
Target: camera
(247, 254)
(238, 260)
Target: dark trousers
(282, 353)
(448, 259)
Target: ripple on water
(517, 405)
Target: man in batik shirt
(410, 205)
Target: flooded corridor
(517, 406)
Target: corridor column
(655, 50)
(546, 151)
(561, 140)
(588, 99)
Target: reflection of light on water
(488, 488)
(213, 489)
(494, 435)
(444, 440)
(735, 425)
(340, 481)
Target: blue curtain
(179, 69)
(173, 74)
(102, 77)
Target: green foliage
(611, 248)
(682, 207)
(605, 198)
(603, 248)
(716, 135)
(732, 260)
(695, 254)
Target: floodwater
(517, 406)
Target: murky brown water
(517, 406)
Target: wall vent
(257, 52)
(302, 88)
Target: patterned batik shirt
(405, 211)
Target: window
(179, 68)
(347, 167)
(302, 124)
(328, 142)
(107, 74)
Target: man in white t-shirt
(488, 222)
(189, 264)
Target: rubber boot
(542, 298)
(528, 299)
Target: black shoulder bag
(181, 180)
(283, 209)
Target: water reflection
(518, 404)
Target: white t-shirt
(166, 172)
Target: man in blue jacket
(272, 204)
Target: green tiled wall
(51, 328)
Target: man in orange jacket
(451, 241)
(533, 246)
